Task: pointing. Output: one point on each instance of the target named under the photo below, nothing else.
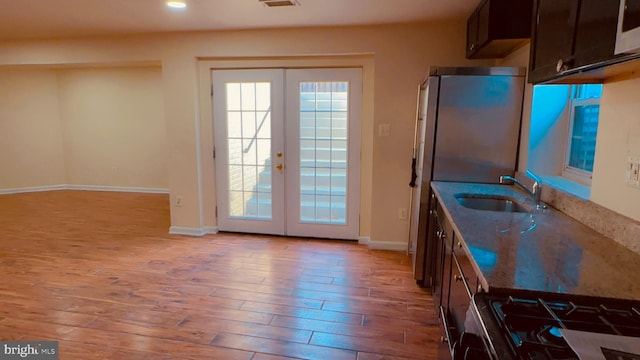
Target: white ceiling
(72, 18)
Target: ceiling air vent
(278, 3)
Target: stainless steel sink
(490, 203)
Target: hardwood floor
(98, 272)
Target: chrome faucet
(536, 189)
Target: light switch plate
(384, 129)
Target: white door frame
(206, 183)
(291, 223)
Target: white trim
(364, 240)
(117, 189)
(211, 229)
(568, 186)
(572, 173)
(84, 188)
(180, 230)
(32, 189)
(577, 175)
(388, 245)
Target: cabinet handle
(559, 65)
(443, 340)
(563, 64)
(458, 277)
(447, 329)
(459, 244)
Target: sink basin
(490, 203)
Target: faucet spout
(536, 189)
(537, 186)
(506, 179)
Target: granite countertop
(543, 250)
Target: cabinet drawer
(466, 273)
(459, 276)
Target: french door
(287, 151)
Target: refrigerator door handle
(414, 174)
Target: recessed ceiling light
(176, 4)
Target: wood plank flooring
(98, 272)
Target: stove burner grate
(533, 326)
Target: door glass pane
(323, 152)
(249, 150)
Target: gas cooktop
(531, 326)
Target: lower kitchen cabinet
(531, 280)
(455, 283)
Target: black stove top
(531, 326)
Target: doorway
(287, 147)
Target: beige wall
(401, 55)
(113, 127)
(30, 131)
(86, 127)
(618, 138)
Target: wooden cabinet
(437, 237)
(455, 281)
(570, 36)
(596, 32)
(463, 285)
(497, 27)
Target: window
(584, 105)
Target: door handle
(279, 167)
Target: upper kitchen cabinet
(497, 27)
(571, 36)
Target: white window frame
(570, 172)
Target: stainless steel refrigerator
(467, 130)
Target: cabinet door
(552, 38)
(447, 270)
(484, 25)
(596, 32)
(472, 33)
(464, 284)
(478, 28)
(439, 236)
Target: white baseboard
(211, 229)
(387, 245)
(32, 189)
(364, 240)
(85, 188)
(181, 230)
(118, 189)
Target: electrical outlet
(178, 200)
(402, 213)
